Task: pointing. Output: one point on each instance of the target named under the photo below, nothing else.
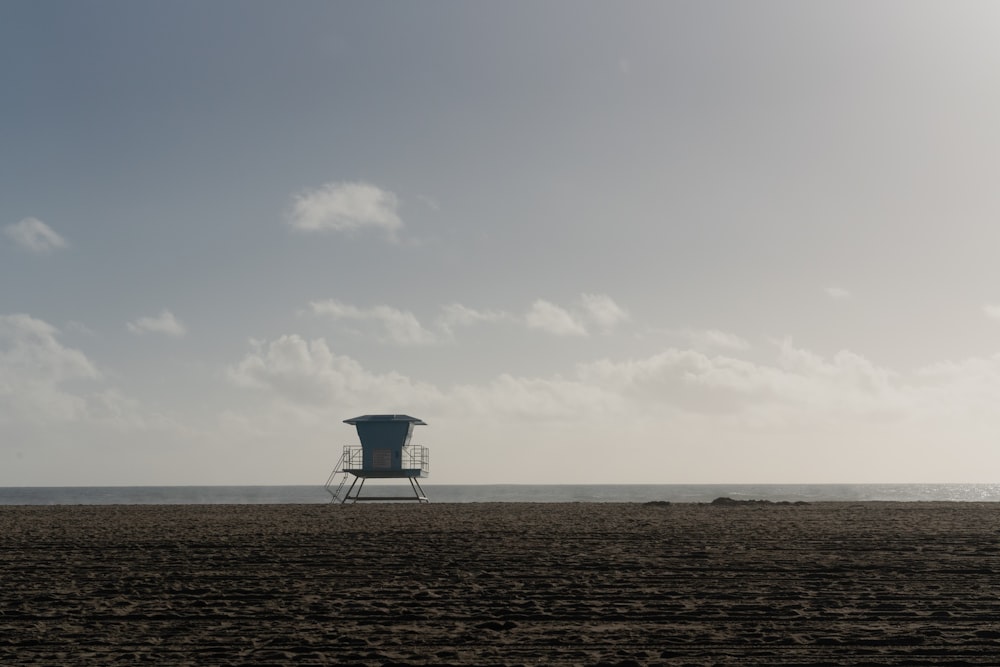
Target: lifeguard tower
(385, 453)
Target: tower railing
(414, 457)
(419, 457)
(353, 458)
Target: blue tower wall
(382, 443)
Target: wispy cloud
(164, 323)
(44, 383)
(33, 235)
(430, 202)
(80, 327)
(603, 310)
(456, 315)
(399, 327)
(597, 309)
(713, 338)
(402, 327)
(346, 207)
(550, 318)
(992, 311)
(838, 293)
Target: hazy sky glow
(586, 242)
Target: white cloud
(30, 343)
(798, 387)
(992, 311)
(307, 372)
(603, 310)
(346, 207)
(552, 319)
(679, 378)
(164, 323)
(34, 367)
(398, 327)
(838, 293)
(34, 235)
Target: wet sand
(501, 584)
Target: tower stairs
(332, 481)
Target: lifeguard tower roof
(385, 418)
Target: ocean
(544, 493)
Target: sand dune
(501, 584)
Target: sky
(586, 242)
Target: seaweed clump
(730, 502)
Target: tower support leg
(418, 490)
(347, 495)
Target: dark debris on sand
(729, 502)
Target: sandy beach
(501, 584)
